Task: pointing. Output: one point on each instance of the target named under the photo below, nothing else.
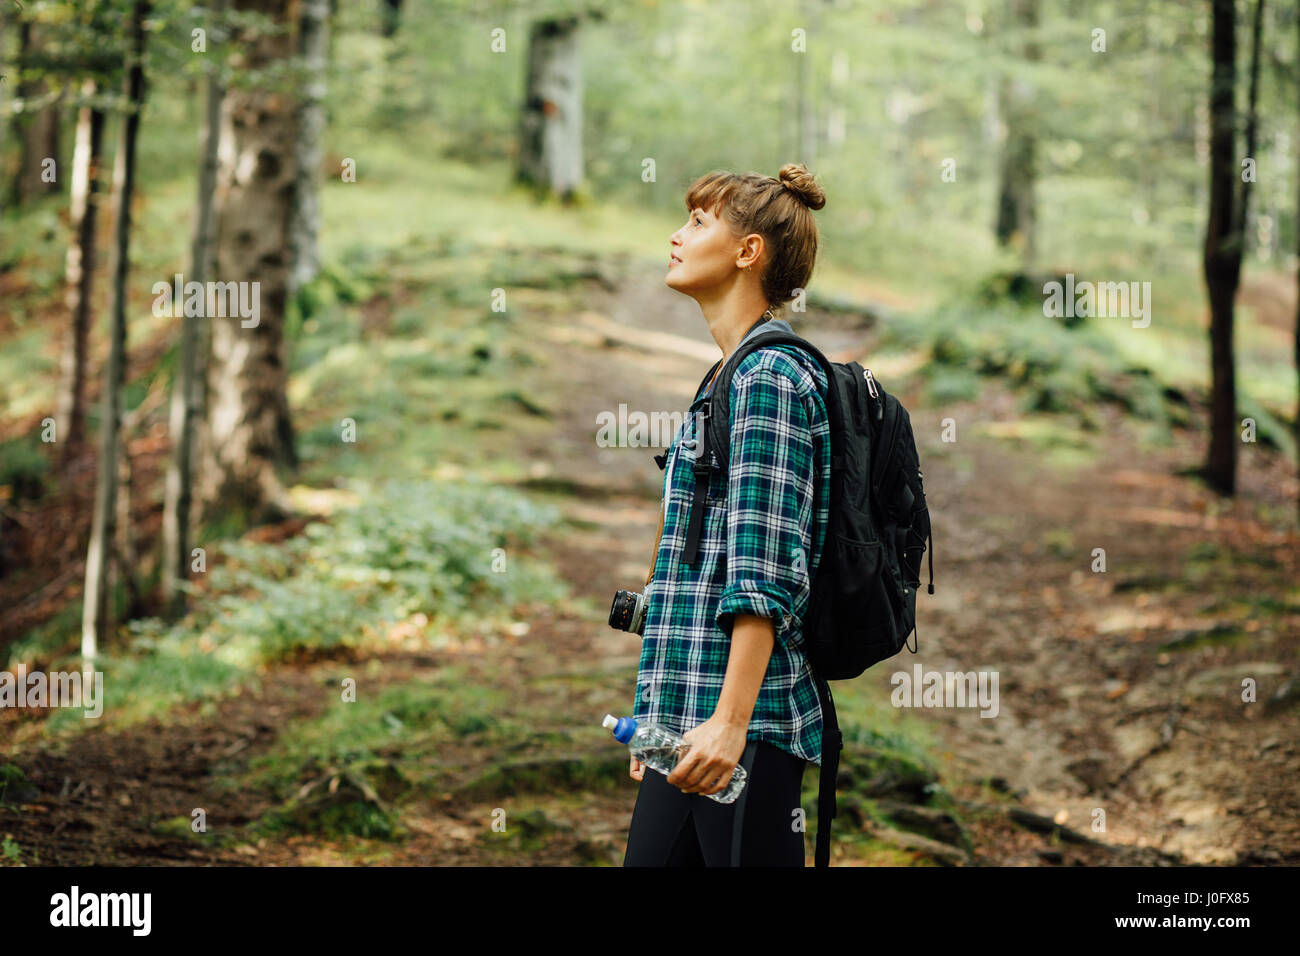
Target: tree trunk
(390, 17)
(1222, 250)
(50, 126)
(20, 126)
(807, 151)
(37, 126)
(96, 621)
(5, 87)
(304, 225)
(187, 392)
(80, 271)
(248, 434)
(1252, 122)
(550, 139)
(1297, 333)
(1016, 168)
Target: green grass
(417, 739)
(417, 550)
(408, 723)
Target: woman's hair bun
(798, 180)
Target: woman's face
(703, 254)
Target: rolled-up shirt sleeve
(770, 492)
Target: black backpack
(862, 607)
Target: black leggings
(761, 828)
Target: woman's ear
(751, 251)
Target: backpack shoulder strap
(719, 419)
(832, 744)
(715, 439)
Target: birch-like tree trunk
(80, 270)
(550, 139)
(248, 435)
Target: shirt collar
(779, 324)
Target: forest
(329, 329)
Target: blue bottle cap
(623, 728)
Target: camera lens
(627, 612)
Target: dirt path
(1094, 714)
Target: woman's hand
(716, 748)
(637, 770)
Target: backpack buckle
(701, 442)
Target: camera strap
(654, 555)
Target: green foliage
(12, 779)
(178, 827)
(1270, 431)
(409, 722)
(409, 548)
(343, 772)
(23, 468)
(549, 773)
(1055, 369)
(12, 852)
(950, 383)
(159, 670)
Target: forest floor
(1120, 737)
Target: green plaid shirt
(759, 547)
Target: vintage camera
(627, 613)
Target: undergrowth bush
(410, 547)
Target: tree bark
(187, 392)
(37, 126)
(20, 126)
(1224, 242)
(550, 139)
(80, 270)
(304, 226)
(390, 17)
(96, 621)
(1222, 253)
(248, 433)
(1016, 219)
(1252, 121)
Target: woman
(722, 656)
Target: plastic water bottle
(658, 747)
